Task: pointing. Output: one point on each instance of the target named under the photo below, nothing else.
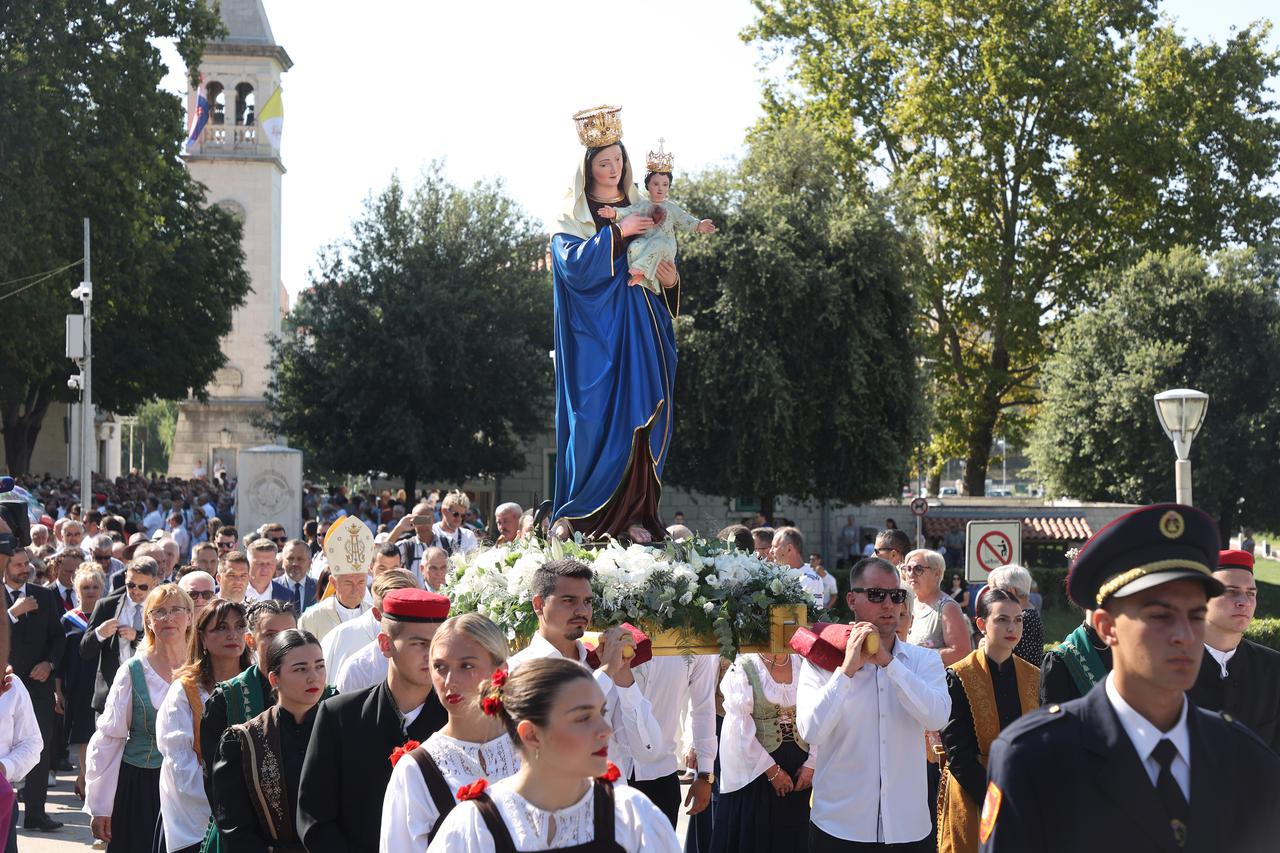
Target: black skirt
(136, 808)
(754, 819)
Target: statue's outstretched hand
(706, 226)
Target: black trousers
(665, 794)
(35, 789)
(821, 842)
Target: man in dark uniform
(348, 763)
(1133, 765)
(1238, 675)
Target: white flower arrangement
(698, 587)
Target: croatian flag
(198, 120)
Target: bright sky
(488, 86)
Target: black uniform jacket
(35, 638)
(348, 767)
(105, 652)
(1250, 692)
(1069, 780)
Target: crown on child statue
(660, 160)
(599, 126)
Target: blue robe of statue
(615, 372)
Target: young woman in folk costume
(990, 688)
(259, 763)
(465, 652)
(563, 797)
(122, 777)
(615, 350)
(218, 653)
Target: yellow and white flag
(271, 118)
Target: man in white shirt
(20, 743)
(153, 520)
(349, 637)
(867, 720)
(178, 533)
(829, 586)
(672, 684)
(788, 550)
(1144, 768)
(233, 577)
(563, 600)
(451, 534)
(506, 518)
(262, 570)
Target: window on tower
(217, 103)
(244, 103)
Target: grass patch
(1267, 573)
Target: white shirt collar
(546, 649)
(1142, 733)
(1223, 658)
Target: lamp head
(1181, 413)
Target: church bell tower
(234, 157)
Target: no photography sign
(990, 545)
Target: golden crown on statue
(659, 161)
(599, 126)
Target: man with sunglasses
(115, 628)
(103, 554)
(870, 716)
(451, 534)
(228, 540)
(892, 545)
(200, 586)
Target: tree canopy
(797, 370)
(421, 347)
(86, 131)
(1173, 320)
(1028, 143)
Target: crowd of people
(241, 693)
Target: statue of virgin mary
(615, 352)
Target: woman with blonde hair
(465, 652)
(939, 623)
(217, 653)
(122, 777)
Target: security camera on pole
(1181, 413)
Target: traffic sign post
(989, 545)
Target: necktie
(297, 599)
(67, 603)
(1167, 788)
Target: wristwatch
(707, 777)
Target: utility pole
(87, 443)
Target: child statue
(659, 244)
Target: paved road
(75, 837)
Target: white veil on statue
(574, 215)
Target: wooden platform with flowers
(691, 597)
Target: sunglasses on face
(139, 586)
(279, 541)
(885, 550)
(877, 596)
(914, 569)
(201, 594)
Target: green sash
(1081, 659)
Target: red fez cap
(1235, 559)
(415, 605)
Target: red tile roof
(1038, 528)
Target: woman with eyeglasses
(940, 623)
(217, 653)
(75, 674)
(122, 778)
(989, 689)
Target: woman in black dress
(259, 763)
(75, 673)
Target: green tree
(797, 371)
(1029, 143)
(85, 131)
(1171, 321)
(421, 348)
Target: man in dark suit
(1238, 676)
(35, 617)
(296, 587)
(347, 767)
(1134, 765)
(115, 626)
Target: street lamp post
(1181, 412)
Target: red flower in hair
(472, 791)
(491, 705)
(611, 773)
(401, 751)
(499, 677)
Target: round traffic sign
(919, 506)
(994, 550)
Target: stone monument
(269, 488)
(236, 160)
